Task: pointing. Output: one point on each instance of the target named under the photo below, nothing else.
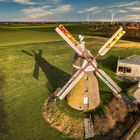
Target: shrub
(115, 112)
(118, 110)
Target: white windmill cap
(81, 37)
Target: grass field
(22, 96)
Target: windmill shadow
(55, 76)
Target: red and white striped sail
(70, 84)
(64, 33)
(108, 45)
(108, 81)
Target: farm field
(22, 96)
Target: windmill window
(121, 69)
(129, 70)
(125, 69)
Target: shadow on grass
(3, 125)
(109, 62)
(55, 76)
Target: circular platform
(70, 126)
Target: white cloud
(122, 11)
(43, 11)
(56, 1)
(24, 2)
(128, 4)
(129, 18)
(96, 12)
(92, 9)
(134, 9)
(35, 10)
(126, 18)
(28, 2)
(113, 12)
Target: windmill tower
(82, 89)
(84, 86)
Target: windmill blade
(108, 81)
(27, 53)
(70, 84)
(107, 46)
(64, 33)
(36, 71)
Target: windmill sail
(107, 46)
(64, 33)
(108, 81)
(70, 84)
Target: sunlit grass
(22, 96)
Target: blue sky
(65, 10)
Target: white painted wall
(135, 72)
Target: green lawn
(22, 96)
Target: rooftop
(134, 59)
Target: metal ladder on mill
(88, 127)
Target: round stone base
(70, 126)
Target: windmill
(86, 97)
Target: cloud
(35, 10)
(43, 11)
(122, 11)
(96, 12)
(128, 4)
(129, 18)
(24, 2)
(126, 18)
(92, 9)
(56, 1)
(29, 2)
(134, 9)
(113, 12)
